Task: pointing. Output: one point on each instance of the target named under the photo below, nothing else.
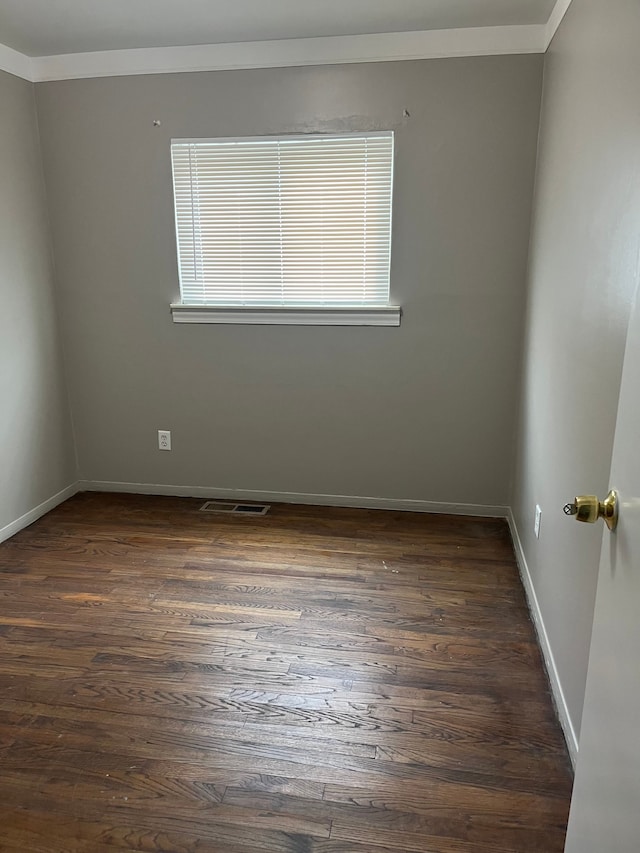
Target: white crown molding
(555, 19)
(16, 63)
(381, 47)
(375, 47)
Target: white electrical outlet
(164, 439)
(536, 523)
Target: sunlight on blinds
(294, 221)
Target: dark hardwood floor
(312, 681)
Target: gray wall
(36, 450)
(425, 411)
(584, 263)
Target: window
(292, 229)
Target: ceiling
(50, 27)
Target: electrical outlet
(536, 523)
(164, 439)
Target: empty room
(319, 479)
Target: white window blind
(293, 221)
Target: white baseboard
(294, 498)
(543, 640)
(37, 512)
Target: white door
(605, 810)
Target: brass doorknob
(589, 509)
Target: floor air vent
(235, 509)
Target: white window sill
(384, 315)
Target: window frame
(386, 314)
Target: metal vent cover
(235, 508)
